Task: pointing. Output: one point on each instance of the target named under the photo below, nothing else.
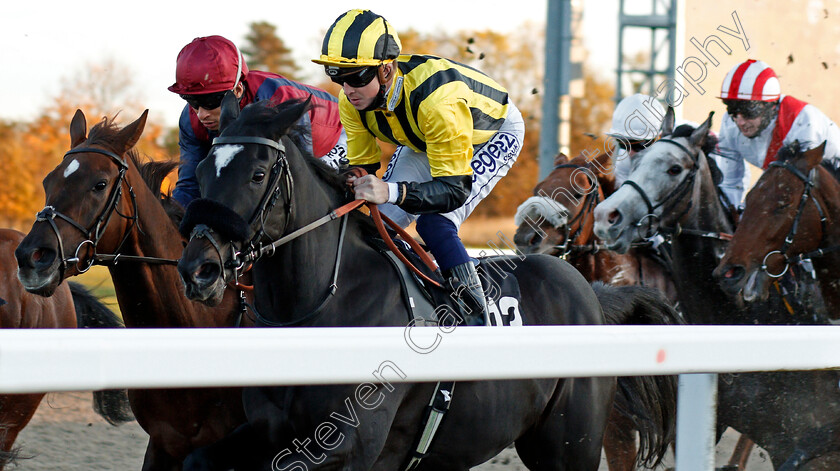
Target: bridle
(590, 201)
(671, 200)
(256, 248)
(93, 234)
(809, 181)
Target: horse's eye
(100, 185)
(258, 177)
(674, 170)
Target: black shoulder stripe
(442, 77)
(364, 120)
(384, 128)
(484, 122)
(402, 117)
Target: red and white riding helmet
(751, 80)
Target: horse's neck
(296, 279)
(152, 294)
(828, 266)
(694, 258)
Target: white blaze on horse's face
(224, 154)
(71, 167)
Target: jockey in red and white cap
(759, 120)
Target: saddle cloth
(431, 305)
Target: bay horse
(333, 276)
(558, 220)
(103, 205)
(791, 213)
(71, 307)
(672, 190)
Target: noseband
(94, 233)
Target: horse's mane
(790, 151)
(685, 130)
(255, 115)
(104, 133)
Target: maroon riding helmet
(208, 65)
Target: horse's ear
(229, 111)
(667, 127)
(699, 135)
(78, 129)
(560, 159)
(290, 115)
(130, 134)
(814, 156)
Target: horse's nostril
(734, 273)
(42, 256)
(207, 272)
(614, 217)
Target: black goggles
(635, 146)
(356, 78)
(208, 101)
(748, 109)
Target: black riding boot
(467, 288)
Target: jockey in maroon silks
(207, 68)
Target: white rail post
(696, 415)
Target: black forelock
(789, 151)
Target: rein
(590, 201)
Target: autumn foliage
(28, 150)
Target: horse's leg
(620, 443)
(816, 442)
(241, 449)
(741, 453)
(572, 433)
(16, 410)
(156, 458)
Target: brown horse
(103, 206)
(793, 212)
(558, 220)
(70, 307)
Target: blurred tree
(267, 52)
(28, 151)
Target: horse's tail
(10, 457)
(649, 402)
(111, 404)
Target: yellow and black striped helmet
(359, 38)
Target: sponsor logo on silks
(504, 312)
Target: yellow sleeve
(362, 148)
(448, 127)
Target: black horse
(332, 276)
